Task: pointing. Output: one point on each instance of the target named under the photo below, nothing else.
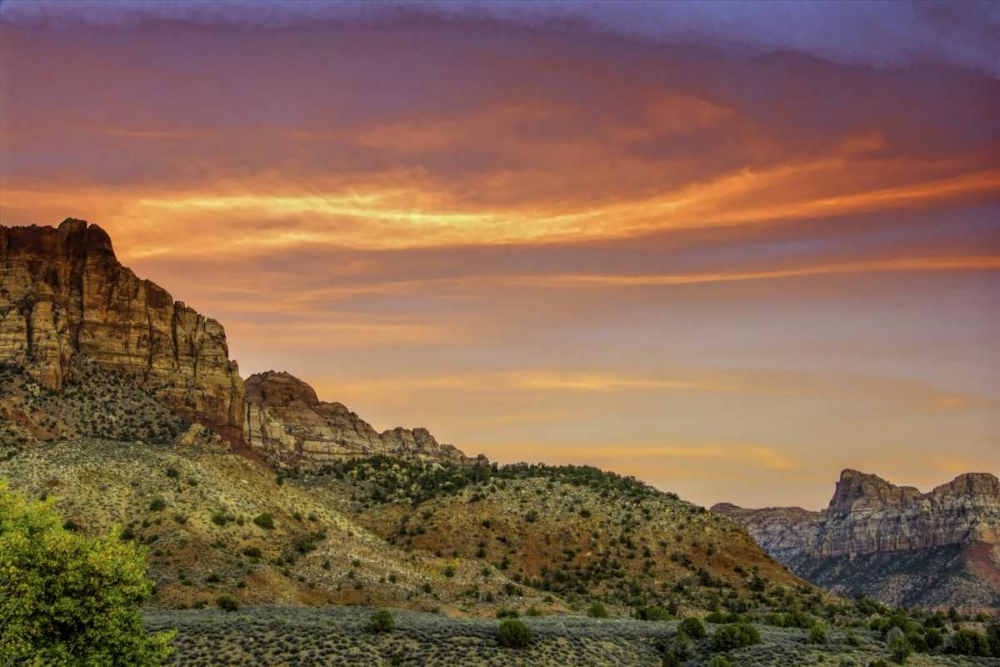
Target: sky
(730, 248)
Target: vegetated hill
(934, 550)
(575, 532)
(464, 539)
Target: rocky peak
(861, 491)
(288, 425)
(64, 295)
(872, 526)
(279, 388)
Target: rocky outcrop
(64, 294)
(289, 426)
(940, 548)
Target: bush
(381, 621)
(227, 603)
(993, 637)
(692, 627)
(597, 610)
(158, 504)
(719, 661)
(817, 634)
(969, 642)
(933, 639)
(507, 613)
(652, 613)
(899, 645)
(671, 660)
(514, 633)
(67, 599)
(173, 473)
(265, 520)
(852, 639)
(737, 635)
(252, 552)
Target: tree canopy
(69, 600)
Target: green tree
(381, 621)
(692, 627)
(817, 634)
(899, 645)
(597, 610)
(736, 635)
(68, 600)
(514, 633)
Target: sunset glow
(548, 241)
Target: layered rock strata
(64, 294)
(940, 548)
(289, 426)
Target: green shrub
(507, 613)
(381, 621)
(671, 660)
(993, 637)
(817, 634)
(252, 552)
(67, 599)
(734, 636)
(652, 613)
(173, 473)
(597, 610)
(719, 661)
(227, 603)
(933, 639)
(158, 504)
(969, 642)
(265, 520)
(514, 633)
(898, 645)
(692, 627)
(852, 639)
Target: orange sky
(730, 274)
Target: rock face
(289, 426)
(935, 549)
(63, 294)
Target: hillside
(935, 550)
(123, 405)
(466, 540)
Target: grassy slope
(332, 544)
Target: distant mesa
(894, 543)
(68, 308)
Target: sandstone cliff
(64, 296)
(894, 543)
(288, 425)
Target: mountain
(64, 297)
(936, 550)
(288, 424)
(123, 406)
(88, 349)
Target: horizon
(727, 262)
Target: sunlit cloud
(725, 272)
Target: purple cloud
(879, 34)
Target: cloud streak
(869, 33)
